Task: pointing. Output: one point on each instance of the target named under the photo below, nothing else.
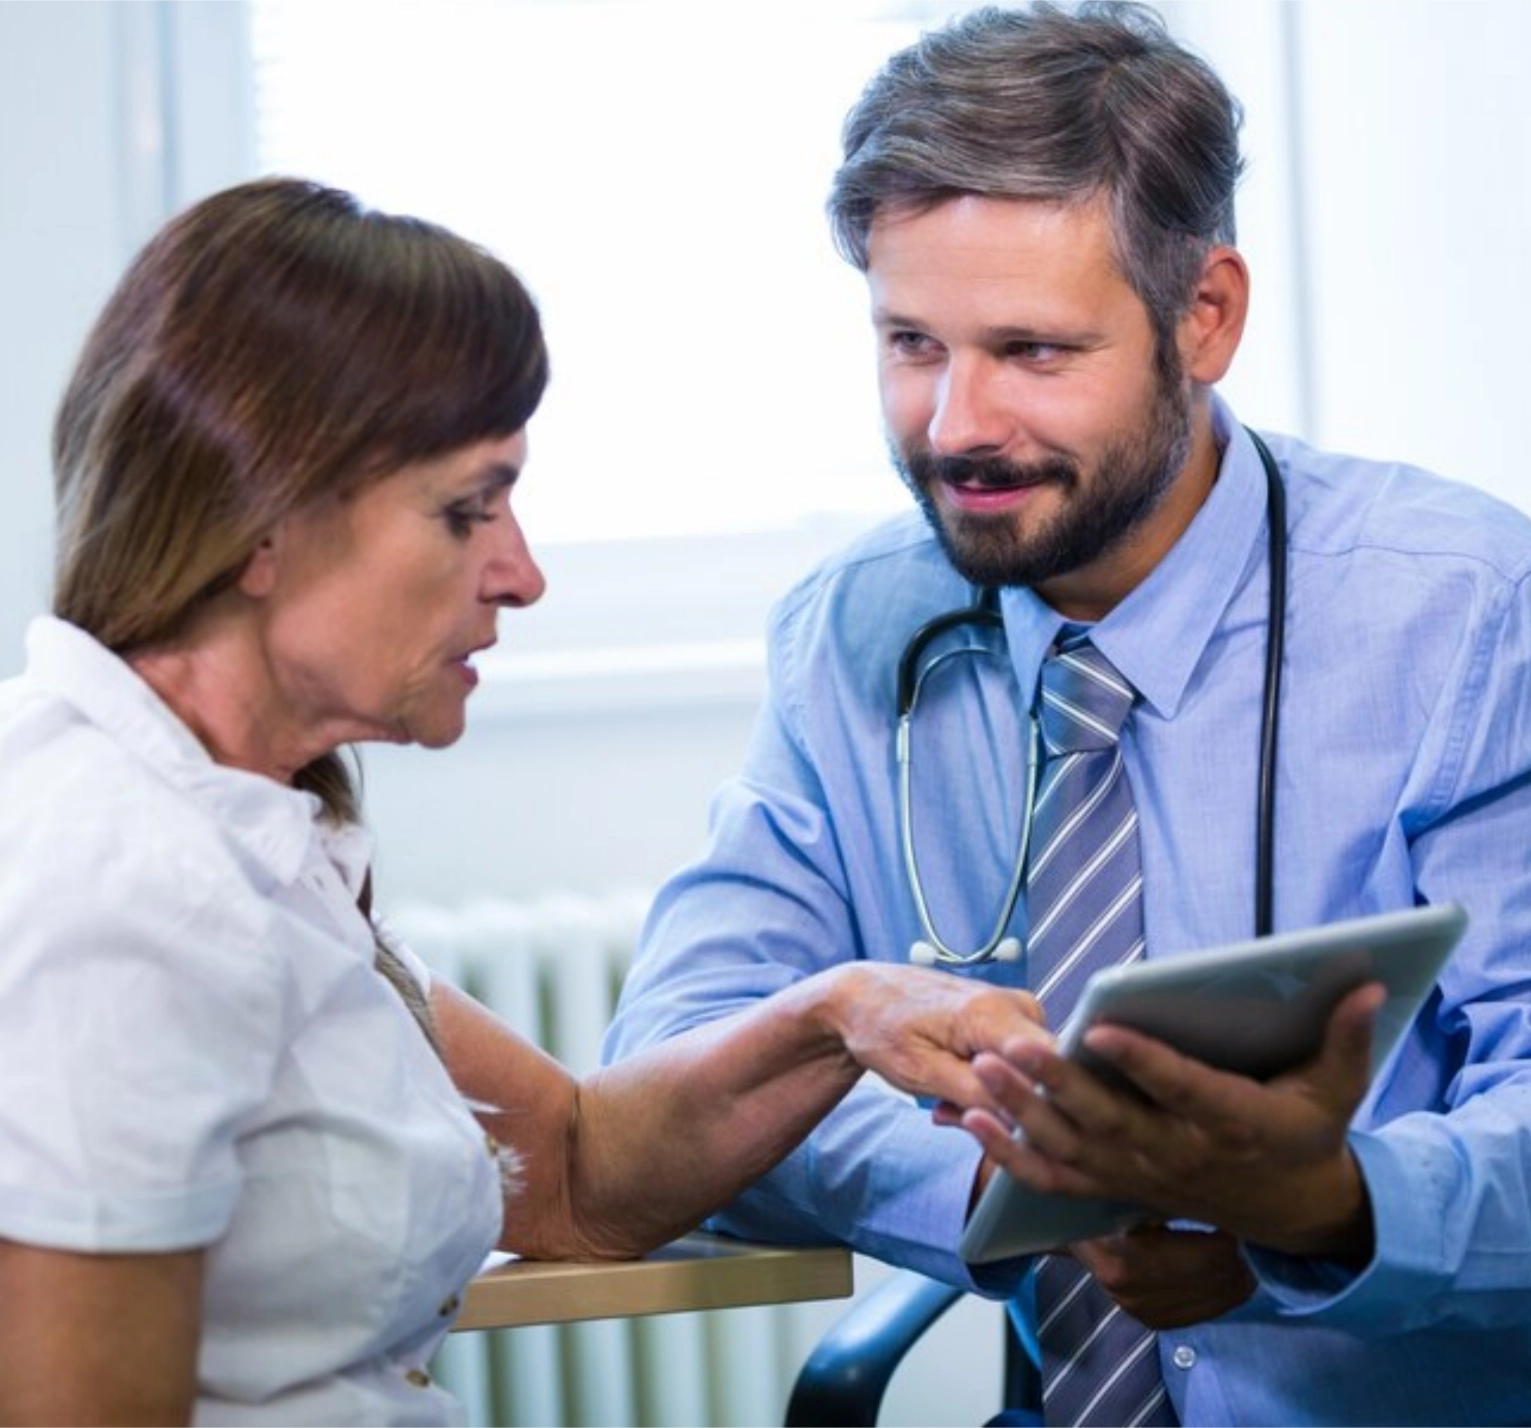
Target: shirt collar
(1157, 635)
(274, 824)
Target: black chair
(845, 1377)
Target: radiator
(552, 969)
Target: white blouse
(196, 1050)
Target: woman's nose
(513, 576)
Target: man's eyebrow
(1000, 333)
(1058, 336)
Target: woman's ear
(258, 578)
(1209, 333)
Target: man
(1042, 203)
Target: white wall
(1416, 133)
(1388, 230)
(89, 167)
(59, 252)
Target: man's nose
(972, 415)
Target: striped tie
(1084, 901)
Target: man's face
(1023, 402)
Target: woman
(239, 1176)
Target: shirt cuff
(1407, 1189)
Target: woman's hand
(921, 1029)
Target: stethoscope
(984, 614)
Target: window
(656, 173)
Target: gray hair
(1057, 105)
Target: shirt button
(418, 1377)
(1184, 1356)
(449, 1305)
(491, 1145)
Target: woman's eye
(462, 516)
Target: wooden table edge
(699, 1271)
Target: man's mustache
(989, 473)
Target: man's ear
(1209, 333)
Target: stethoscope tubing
(1270, 710)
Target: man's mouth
(987, 481)
(983, 475)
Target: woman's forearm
(663, 1139)
(639, 1152)
(644, 1150)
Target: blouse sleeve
(141, 1024)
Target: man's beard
(1130, 480)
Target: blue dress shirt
(1404, 777)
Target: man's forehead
(1000, 251)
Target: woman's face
(378, 601)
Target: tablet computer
(1256, 1008)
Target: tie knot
(1084, 700)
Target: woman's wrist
(838, 995)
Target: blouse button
(449, 1305)
(418, 1377)
(1184, 1356)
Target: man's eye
(910, 344)
(1034, 351)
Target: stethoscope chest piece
(924, 954)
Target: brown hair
(1061, 105)
(273, 343)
